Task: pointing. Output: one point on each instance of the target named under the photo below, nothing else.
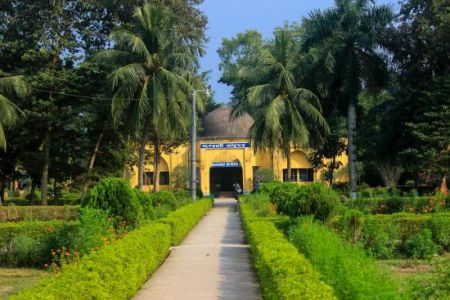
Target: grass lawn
(406, 271)
(13, 280)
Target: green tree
(10, 86)
(345, 39)
(153, 79)
(285, 113)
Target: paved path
(213, 262)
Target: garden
(59, 252)
(310, 242)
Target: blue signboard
(228, 164)
(225, 146)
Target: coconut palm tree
(152, 80)
(285, 113)
(346, 39)
(9, 112)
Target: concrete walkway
(213, 262)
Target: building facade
(225, 156)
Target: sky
(226, 18)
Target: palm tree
(152, 81)
(346, 38)
(285, 113)
(9, 112)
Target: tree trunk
(443, 189)
(351, 146)
(144, 139)
(157, 158)
(44, 180)
(289, 166)
(331, 175)
(390, 173)
(2, 192)
(91, 165)
(33, 189)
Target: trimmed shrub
(351, 273)
(184, 219)
(299, 200)
(116, 196)
(30, 243)
(117, 271)
(164, 199)
(283, 272)
(37, 213)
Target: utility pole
(193, 147)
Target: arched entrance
(225, 170)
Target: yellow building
(225, 156)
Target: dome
(218, 123)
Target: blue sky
(229, 17)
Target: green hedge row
(401, 234)
(42, 213)
(283, 272)
(117, 271)
(394, 204)
(351, 273)
(184, 219)
(30, 243)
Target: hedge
(387, 236)
(184, 219)
(351, 273)
(30, 243)
(43, 213)
(395, 204)
(116, 271)
(283, 272)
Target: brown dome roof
(218, 123)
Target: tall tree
(285, 113)
(10, 86)
(345, 39)
(153, 79)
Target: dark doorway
(222, 179)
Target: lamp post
(193, 184)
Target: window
(299, 175)
(164, 178)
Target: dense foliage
(116, 196)
(110, 273)
(346, 268)
(283, 272)
(297, 200)
(396, 235)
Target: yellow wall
(246, 157)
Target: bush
(395, 204)
(147, 204)
(95, 229)
(385, 236)
(311, 199)
(351, 273)
(116, 196)
(421, 245)
(184, 219)
(30, 243)
(117, 271)
(283, 273)
(164, 198)
(260, 204)
(42, 213)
